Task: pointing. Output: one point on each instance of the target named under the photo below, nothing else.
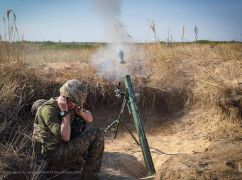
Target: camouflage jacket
(47, 126)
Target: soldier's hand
(62, 103)
(84, 114)
(78, 111)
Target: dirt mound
(231, 100)
(216, 162)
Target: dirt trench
(161, 118)
(178, 152)
(178, 139)
(124, 157)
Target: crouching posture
(66, 141)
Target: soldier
(64, 146)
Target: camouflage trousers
(84, 150)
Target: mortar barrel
(139, 127)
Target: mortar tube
(139, 127)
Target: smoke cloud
(107, 59)
(109, 12)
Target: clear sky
(78, 20)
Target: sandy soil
(179, 151)
(123, 156)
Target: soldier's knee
(100, 132)
(95, 130)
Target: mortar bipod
(117, 122)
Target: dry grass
(211, 76)
(20, 87)
(198, 72)
(206, 69)
(39, 54)
(181, 76)
(11, 46)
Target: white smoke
(109, 12)
(107, 59)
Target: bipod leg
(120, 116)
(132, 135)
(109, 126)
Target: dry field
(190, 99)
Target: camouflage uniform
(85, 147)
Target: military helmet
(74, 90)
